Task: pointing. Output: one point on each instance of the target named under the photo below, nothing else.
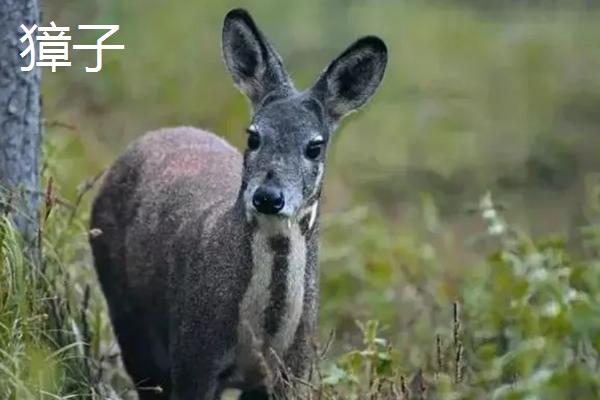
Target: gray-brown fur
(206, 289)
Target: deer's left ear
(352, 78)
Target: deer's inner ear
(246, 60)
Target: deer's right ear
(254, 65)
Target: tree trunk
(20, 116)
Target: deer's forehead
(289, 117)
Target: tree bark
(20, 117)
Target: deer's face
(289, 130)
(285, 156)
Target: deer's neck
(273, 302)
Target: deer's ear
(254, 65)
(352, 78)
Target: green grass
(55, 338)
(523, 324)
(41, 346)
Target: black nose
(268, 200)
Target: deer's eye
(314, 149)
(253, 140)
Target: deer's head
(290, 130)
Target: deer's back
(163, 180)
(170, 157)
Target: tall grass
(53, 326)
(38, 357)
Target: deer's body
(207, 257)
(181, 183)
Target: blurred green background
(500, 96)
(475, 98)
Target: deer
(208, 257)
